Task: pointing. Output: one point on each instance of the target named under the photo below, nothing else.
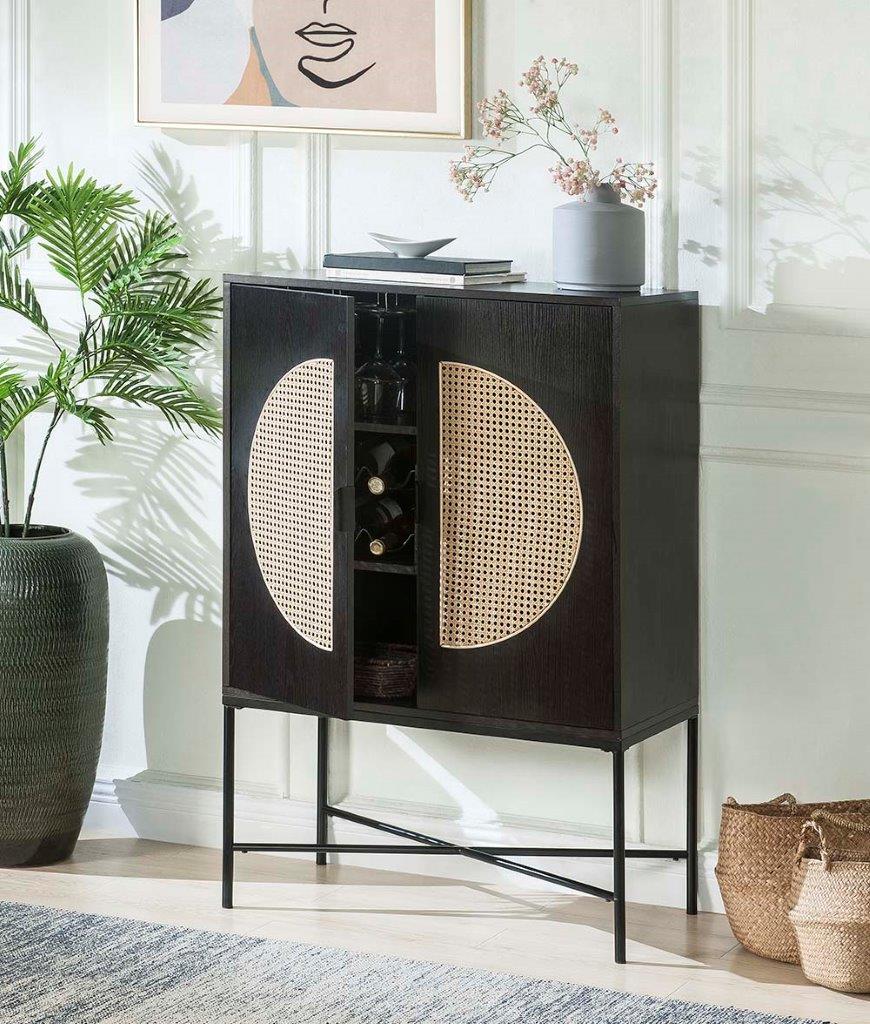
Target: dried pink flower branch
(502, 120)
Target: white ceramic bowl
(407, 247)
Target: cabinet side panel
(658, 438)
(559, 669)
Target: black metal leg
(229, 794)
(692, 818)
(322, 786)
(488, 854)
(619, 856)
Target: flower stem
(54, 421)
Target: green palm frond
(182, 407)
(181, 310)
(143, 256)
(58, 379)
(15, 239)
(52, 386)
(127, 343)
(17, 294)
(76, 222)
(11, 379)
(97, 419)
(20, 403)
(15, 193)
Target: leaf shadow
(155, 491)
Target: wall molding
(771, 457)
(739, 170)
(660, 134)
(318, 160)
(180, 809)
(247, 200)
(20, 72)
(800, 399)
(742, 308)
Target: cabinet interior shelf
(385, 428)
(398, 567)
(408, 705)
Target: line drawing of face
(359, 54)
(327, 37)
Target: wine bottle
(388, 465)
(387, 523)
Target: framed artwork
(381, 67)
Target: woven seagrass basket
(831, 896)
(385, 671)
(756, 858)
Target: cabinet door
(287, 596)
(515, 524)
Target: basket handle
(784, 798)
(804, 843)
(840, 819)
(814, 826)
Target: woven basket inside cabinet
(831, 896)
(756, 857)
(385, 671)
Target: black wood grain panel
(267, 332)
(560, 669)
(658, 438)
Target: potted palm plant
(143, 320)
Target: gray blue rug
(60, 967)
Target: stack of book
(450, 271)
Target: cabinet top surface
(529, 291)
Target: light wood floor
(542, 934)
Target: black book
(388, 263)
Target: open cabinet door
(288, 616)
(515, 527)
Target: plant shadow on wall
(812, 213)
(159, 534)
(160, 523)
(167, 185)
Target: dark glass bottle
(376, 383)
(384, 526)
(403, 364)
(385, 465)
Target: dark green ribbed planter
(54, 631)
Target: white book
(396, 277)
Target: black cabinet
(552, 593)
(551, 585)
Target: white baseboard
(182, 809)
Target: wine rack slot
(385, 482)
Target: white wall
(755, 114)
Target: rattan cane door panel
(511, 509)
(291, 498)
(288, 614)
(506, 633)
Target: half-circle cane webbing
(511, 509)
(290, 498)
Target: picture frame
(390, 68)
